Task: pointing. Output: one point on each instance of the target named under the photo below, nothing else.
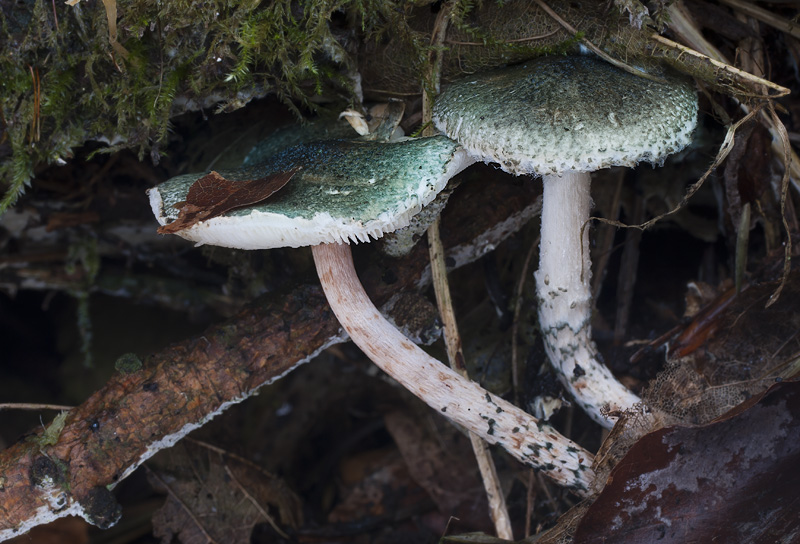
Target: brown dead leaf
(441, 467)
(734, 348)
(747, 168)
(733, 480)
(212, 498)
(213, 195)
(384, 490)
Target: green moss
(176, 48)
(128, 363)
(51, 433)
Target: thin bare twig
(523, 275)
(594, 49)
(33, 406)
(530, 499)
(517, 40)
(491, 482)
(494, 491)
(781, 91)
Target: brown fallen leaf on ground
(733, 480)
(217, 497)
(438, 464)
(213, 195)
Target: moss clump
(65, 82)
(51, 433)
(128, 363)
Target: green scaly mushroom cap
(310, 131)
(567, 114)
(346, 190)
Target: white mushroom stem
(495, 420)
(565, 299)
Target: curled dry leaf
(213, 195)
(733, 349)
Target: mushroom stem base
(495, 420)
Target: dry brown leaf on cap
(213, 195)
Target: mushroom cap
(346, 190)
(302, 133)
(561, 114)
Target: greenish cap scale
(303, 133)
(567, 114)
(347, 190)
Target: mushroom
(561, 118)
(354, 190)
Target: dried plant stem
(684, 27)
(530, 499)
(765, 16)
(33, 406)
(782, 91)
(466, 403)
(781, 147)
(592, 47)
(452, 338)
(518, 40)
(491, 483)
(523, 275)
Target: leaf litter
(216, 497)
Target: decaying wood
(48, 475)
